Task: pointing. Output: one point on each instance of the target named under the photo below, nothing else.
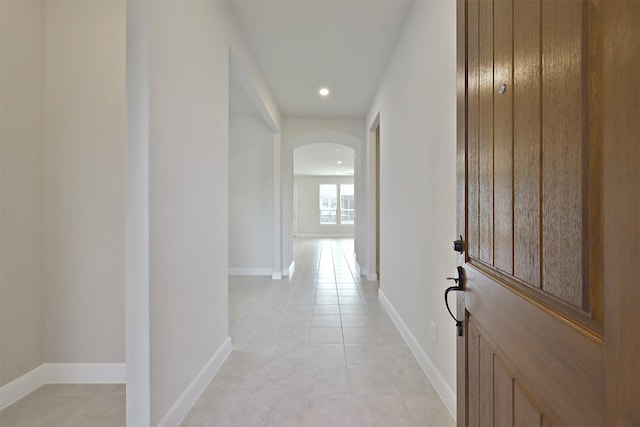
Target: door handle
(458, 287)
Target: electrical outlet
(434, 331)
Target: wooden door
(548, 184)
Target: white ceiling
(302, 45)
(321, 159)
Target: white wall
(250, 196)
(300, 131)
(189, 169)
(308, 214)
(188, 203)
(68, 96)
(21, 198)
(84, 136)
(416, 102)
(62, 184)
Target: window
(328, 203)
(347, 204)
(330, 212)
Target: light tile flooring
(68, 405)
(316, 350)
(313, 350)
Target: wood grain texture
(473, 177)
(561, 364)
(562, 151)
(525, 413)
(473, 375)
(527, 139)
(485, 128)
(621, 181)
(503, 137)
(593, 225)
(503, 395)
(486, 384)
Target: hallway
(316, 350)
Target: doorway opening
(324, 191)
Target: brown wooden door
(548, 299)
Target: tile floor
(68, 405)
(314, 350)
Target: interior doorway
(324, 191)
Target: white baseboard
(291, 269)
(185, 402)
(250, 272)
(61, 373)
(276, 275)
(445, 392)
(372, 277)
(21, 386)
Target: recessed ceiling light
(324, 91)
(339, 162)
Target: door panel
(563, 105)
(525, 414)
(503, 391)
(526, 141)
(485, 129)
(555, 360)
(548, 188)
(486, 383)
(501, 399)
(473, 376)
(503, 140)
(532, 145)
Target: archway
(308, 138)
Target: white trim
(61, 373)
(11, 392)
(445, 392)
(277, 206)
(185, 402)
(250, 271)
(327, 236)
(85, 373)
(371, 194)
(291, 270)
(137, 218)
(372, 277)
